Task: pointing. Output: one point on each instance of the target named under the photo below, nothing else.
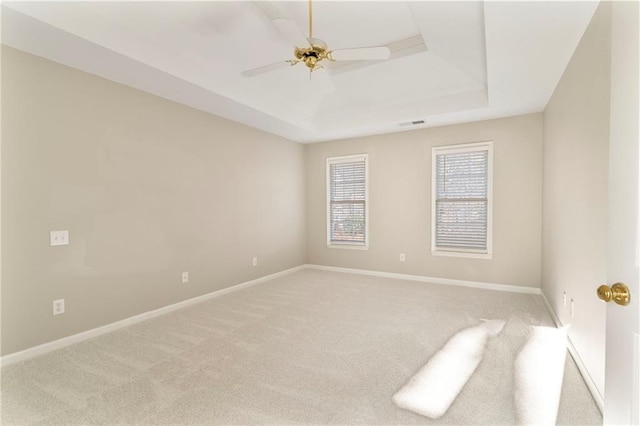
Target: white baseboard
(76, 338)
(85, 335)
(432, 280)
(576, 357)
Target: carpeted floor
(311, 347)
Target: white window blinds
(347, 200)
(462, 198)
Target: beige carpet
(311, 347)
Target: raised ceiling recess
(441, 62)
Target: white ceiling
(462, 61)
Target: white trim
(591, 385)
(463, 147)
(85, 335)
(347, 158)
(432, 280)
(467, 254)
(348, 246)
(467, 147)
(339, 160)
(635, 399)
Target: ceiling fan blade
(265, 68)
(324, 80)
(270, 9)
(291, 31)
(361, 54)
(281, 20)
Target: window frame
(457, 149)
(339, 160)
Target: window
(347, 202)
(461, 211)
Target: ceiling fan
(311, 51)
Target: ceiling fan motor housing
(312, 55)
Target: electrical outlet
(59, 238)
(564, 299)
(185, 277)
(572, 308)
(402, 258)
(255, 261)
(58, 307)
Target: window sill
(465, 254)
(348, 246)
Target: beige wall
(400, 202)
(576, 143)
(147, 188)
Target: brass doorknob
(618, 292)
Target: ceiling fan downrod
(310, 20)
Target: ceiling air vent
(412, 123)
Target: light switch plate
(59, 238)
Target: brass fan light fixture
(314, 51)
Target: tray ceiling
(450, 62)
